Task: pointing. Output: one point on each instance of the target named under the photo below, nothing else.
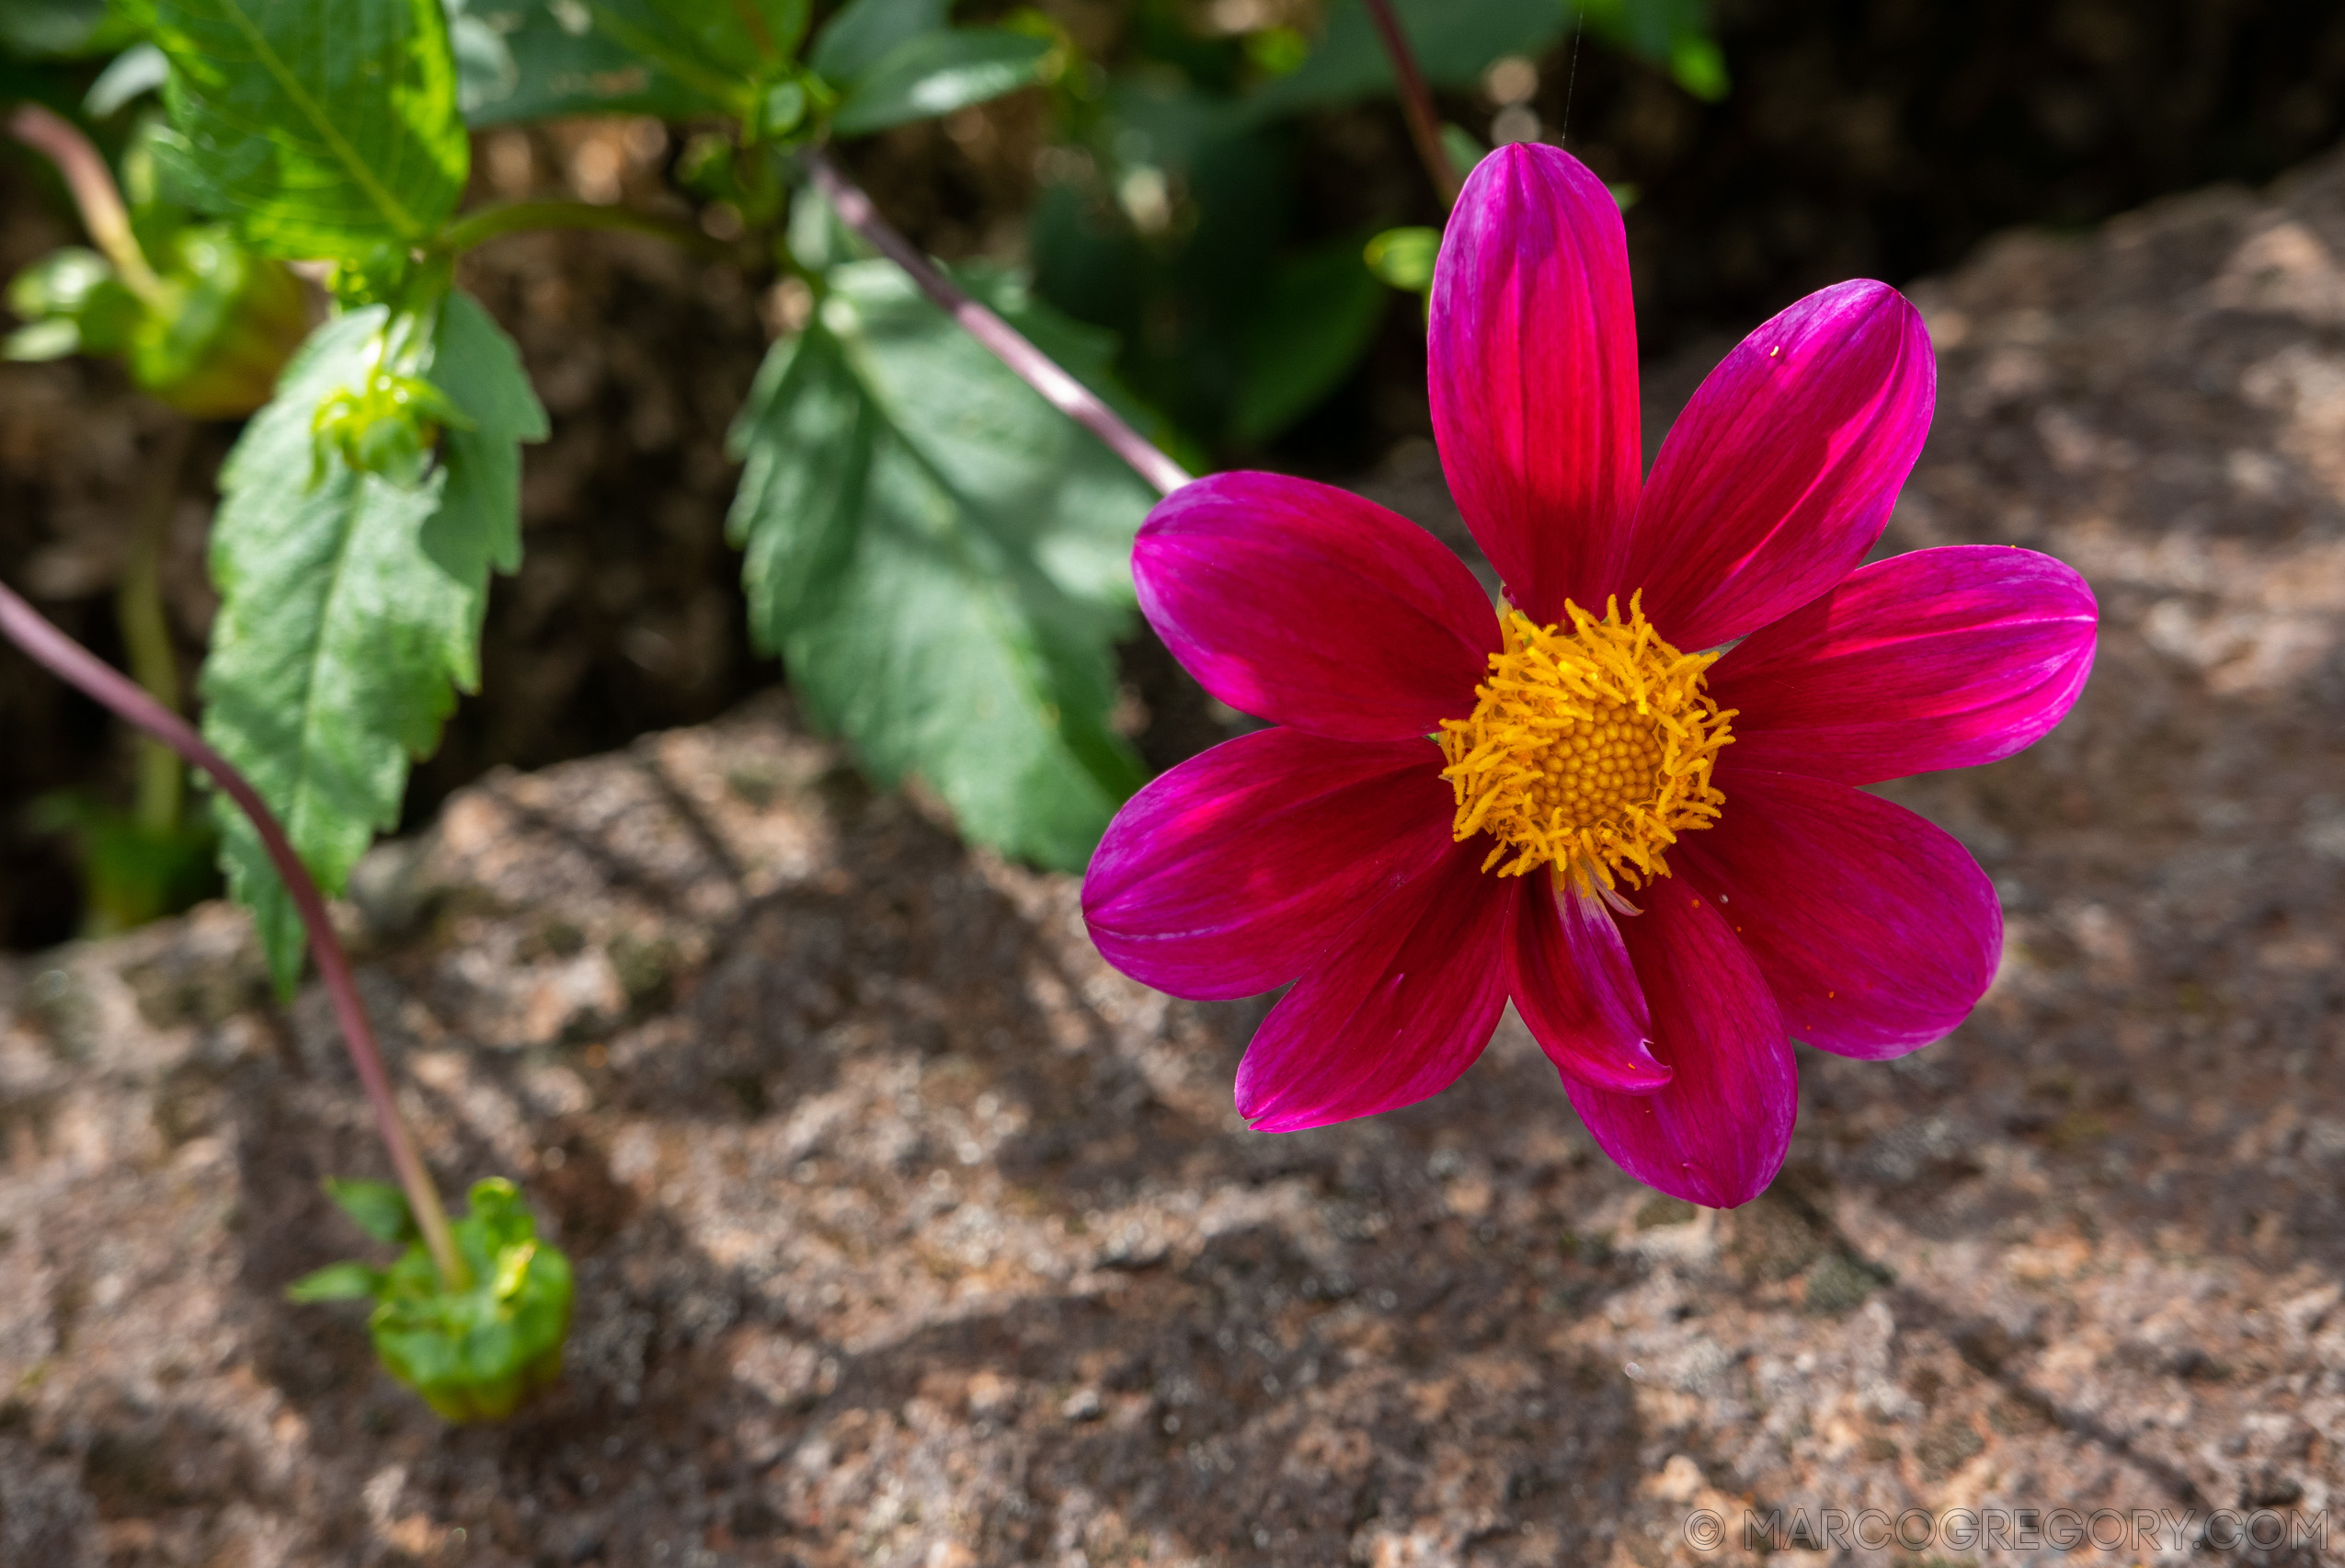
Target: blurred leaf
(379, 1209)
(326, 128)
(62, 29)
(350, 604)
(1454, 40)
(140, 69)
(1464, 148)
(474, 1355)
(1404, 258)
(938, 72)
(131, 872)
(336, 1282)
(720, 49)
(1673, 34)
(1312, 324)
(560, 64)
(863, 32)
(942, 560)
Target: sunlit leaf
(326, 128)
(336, 1282)
(350, 604)
(942, 560)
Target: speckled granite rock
(909, 1234)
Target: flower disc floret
(1590, 747)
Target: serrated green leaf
(863, 32)
(379, 1209)
(1309, 327)
(336, 1282)
(937, 72)
(350, 605)
(326, 128)
(944, 560)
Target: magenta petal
(1716, 1134)
(1309, 606)
(1942, 659)
(1394, 1012)
(1572, 981)
(1779, 475)
(1229, 875)
(1533, 372)
(1875, 930)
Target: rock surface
(909, 1234)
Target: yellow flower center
(1590, 747)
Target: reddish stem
(75, 665)
(92, 186)
(1033, 367)
(1417, 102)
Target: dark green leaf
(336, 1282)
(861, 36)
(1310, 328)
(556, 63)
(1455, 41)
(937, 72)
(379, 1209)
(1670, 33)
(60, 30)
(326, 128)
(720, 49)
(942, 560)
(350, 605)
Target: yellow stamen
(1589, 747)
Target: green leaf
(942, 560)
(1404, 258)
(720, 49)
(327, 128)
(379, 1209)
(138, 70)
(555, 61)
(1455, 41)
(350, 604)
(1309, 329)
(937, 72)
(863, 33)
(336, 1282)
(60, 30)
(1674, 34)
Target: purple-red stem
(75, 665)
(1417, 102)
(91, 184)
(1033, 367)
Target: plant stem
(74, 664)
(147, 631)
(1417, 102)
(510, 217)
(1033, 367)
(91, 184)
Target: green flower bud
(475, 1353)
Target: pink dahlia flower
(1627, 799)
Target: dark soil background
(1882, 138)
